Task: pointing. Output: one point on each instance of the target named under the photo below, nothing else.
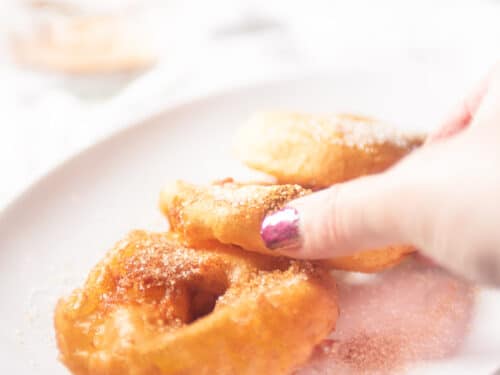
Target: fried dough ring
(153, 306)
(232, 213)
(228, 212)
(318, 151)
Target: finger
(340, 220)
(488, 113)
(461, 116)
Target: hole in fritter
(203, 299)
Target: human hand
(444, 199)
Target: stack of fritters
(208, 297)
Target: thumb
(345, 218)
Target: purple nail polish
(280, 230)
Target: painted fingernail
(280, 230)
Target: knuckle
(337, 228)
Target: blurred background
(73, 71)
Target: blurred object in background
(93, 44)
(63, 38)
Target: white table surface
(43, 122)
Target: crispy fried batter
(153, 306)
(232, 214)
(226, 211)
(369, 261)
(318, 151)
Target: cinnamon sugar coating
(154, 306)
(318, 151)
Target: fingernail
(280, 230)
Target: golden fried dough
(232, 213)
(228, 212)
(369, 261)
(318, 151)
(153, 306)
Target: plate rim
(136, 121)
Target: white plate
(52, 234)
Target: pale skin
(443, 198)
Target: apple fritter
(318, 151)
(154, 306)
